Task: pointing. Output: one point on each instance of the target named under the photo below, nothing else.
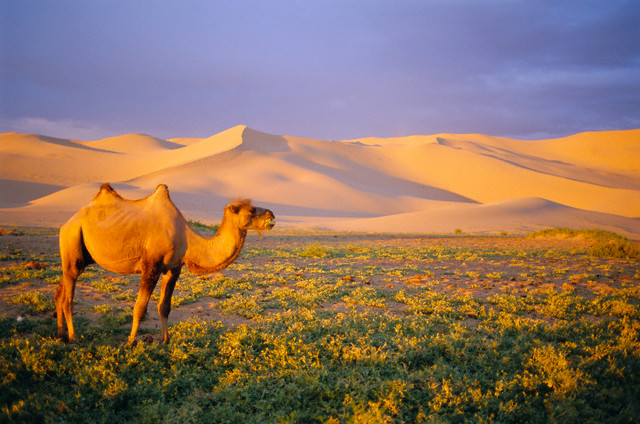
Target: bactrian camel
(148, 237)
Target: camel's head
(249, 217)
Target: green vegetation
(27, 270)
(367, 330)
(35, 302)
(604, 243)
(315, 250)
(203, 229)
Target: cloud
(61, 128)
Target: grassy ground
(337, 328)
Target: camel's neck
(208, 255)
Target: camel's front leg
(148, 281)
(164, 305)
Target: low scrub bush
(605, 244)
(622, 248)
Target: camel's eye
(252, 211)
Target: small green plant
(458, 231)
(105, 286)
(35, 302)
(126, 296)
(365, 296)
(314, 250)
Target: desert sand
(441, 183)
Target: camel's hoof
(64, 337)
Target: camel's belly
(117, 260)
(121, 267)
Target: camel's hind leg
(64, 306)
(164, 305)
(149, 279)
(74, 258)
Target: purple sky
(319, 68)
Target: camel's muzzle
(270, 220)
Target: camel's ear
(233, 208)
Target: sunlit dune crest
(132, 144)
(432, 183)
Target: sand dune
(45, 160)
(432, 183)
(487, 179)
(20, 193)
(132, 144)
(512, 216)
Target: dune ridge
(132, 144)
(424, 183)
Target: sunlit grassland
(339, 329)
